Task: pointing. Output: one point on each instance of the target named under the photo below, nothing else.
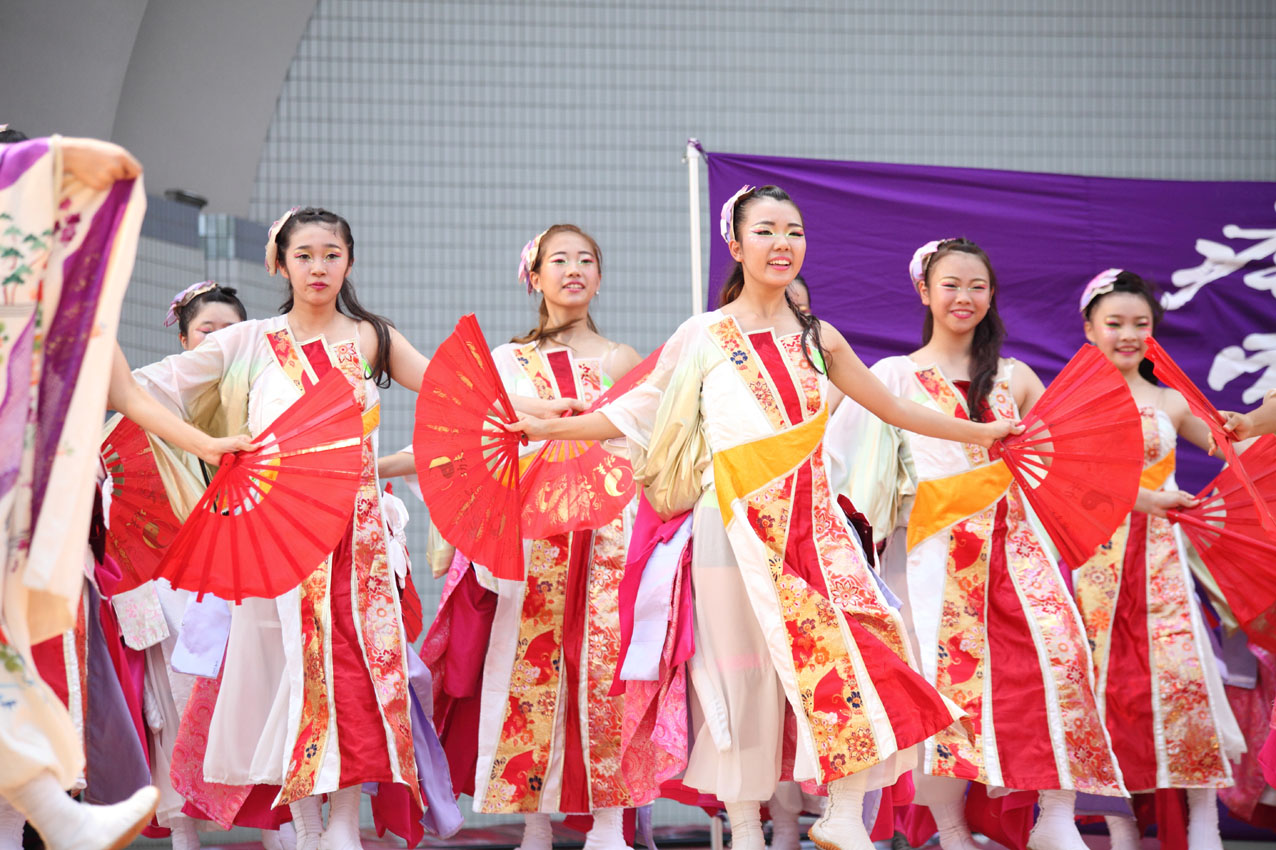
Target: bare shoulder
(622, 359)
(832, 337)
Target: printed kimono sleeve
(186, 383)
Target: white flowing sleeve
(635, 412)
(662, 420)
(188, 383)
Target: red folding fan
(1226, 529)
(467, 463)
(271, 516)
(142, 523)
(1080, 455)
(1169, 372)
(576, 485)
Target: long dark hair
(347, 300)
(217, 295)
(734, 284)
(1134, 285)
(990, 333)
(543, 330)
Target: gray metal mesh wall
(450, 132)
(179, 246)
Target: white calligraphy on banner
(1257, 352)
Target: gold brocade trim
(311, 742)
(1155, 476)
(744, 469)
(729, 338)
(942, 502)
(537, 371)
(1097, 588)
(961, 665)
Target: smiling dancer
(730, 422)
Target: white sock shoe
(950, 818)
(271, 839)
(537, 833)
(1124, 832)
(287, 836)
(608, 831)
(307, 821)
(185, 836)
(343, 820)
(67, 825)
(1056, 826)
(1202, 819)
(11, 823)
(841, 827)
(746, 825)
(786, 832)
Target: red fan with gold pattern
(271, 516)
(466, 462)
(1227, 530)
(1175, 378)
(577, 485)
(1080, 456)
(141, 520)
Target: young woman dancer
(731, 421)
(1159, 689)
(314, 691)
(993, 620)
(550, 742)
(75, 282)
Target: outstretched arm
(849, 374)
(96, 164)
(127, 397)
(1261, 420)
(591, 426)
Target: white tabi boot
(841, 827)
(1056, 826)
(67, 825)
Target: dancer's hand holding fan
(577, 485)
(1080, 455)
(141, 521)
(1226, 528)
(1169, 372)
(271, 516)
(467, 462)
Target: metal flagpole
(692, 159)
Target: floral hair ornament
(528, 259)
(272, 251)
(921, 257)
(1101, 284)
(727, 222)
(185, 297)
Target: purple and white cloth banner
(1208, 245)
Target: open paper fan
(1080, 455)
(1169, 372)
(271, 516)
(1226, 528)
(577, 485)
(467, 463)
(142, 523)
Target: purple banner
(1208, 245)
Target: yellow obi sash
(941, 502)
(748, 467)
